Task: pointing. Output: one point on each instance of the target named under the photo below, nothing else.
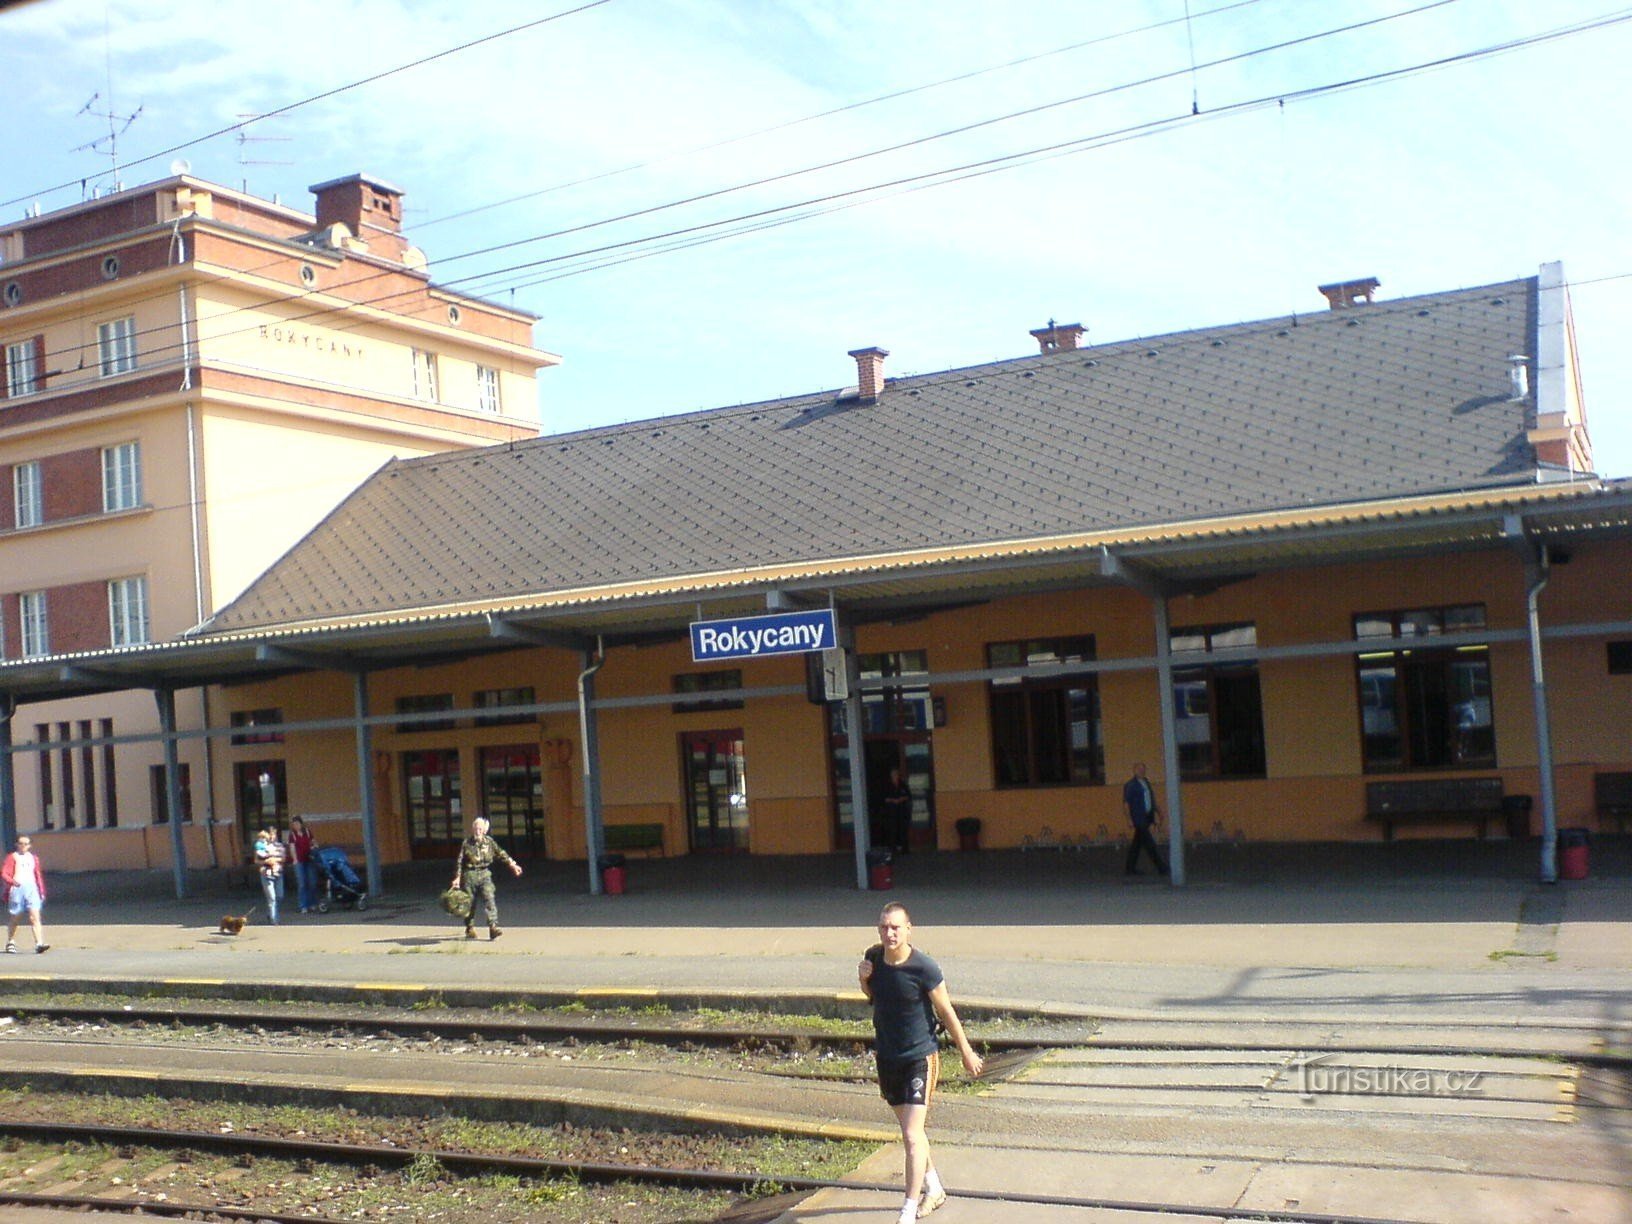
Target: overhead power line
(326, 94)
(759, 219)
(851, 159)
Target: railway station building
(191, 377)
(1342, 576)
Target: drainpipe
(1536, 575)
(8, 779)
(594, 833)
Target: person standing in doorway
(24, 881)
(908, 994)
(475, 869)
(1139, 804)
(897, 812)
(302, 845)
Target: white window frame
(116, 346)
(121, 477)
(488, 398)
(28, 506)
(36, 626)
(127, 611)
(425, 375)
(22, 374)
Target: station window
(269, 717)
(25, 366)
(1218, 712)
(424, 374)
(116, 346)
(1045, 728)
(121, 476)
(493, 699)
(487, 389)
(161, 797)
(708, 682)
(36, 626)
(28, 491)
(1427, 705)
(426, 703)
(127, 611)
(1620, 658)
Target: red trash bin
(880, 870)
(1572, 854)
(612, 877)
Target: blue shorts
(908, 1081)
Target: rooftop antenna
(117, 125)
(244, 140)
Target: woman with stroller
(301, 846)
(475, 868)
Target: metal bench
(626, 838)
(1612, 798)
(1475, 801)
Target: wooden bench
(625, 838)
(1612, 799)
(1434, 801)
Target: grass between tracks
(421, 1189)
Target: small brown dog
(233, 924)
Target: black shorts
(908, 1081)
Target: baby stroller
(341, 885)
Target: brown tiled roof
(1374, 401)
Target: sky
(1193, 178)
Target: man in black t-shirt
(908, 994)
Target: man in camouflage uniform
(475, 868)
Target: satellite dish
(181, 166)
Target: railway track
(1067, 1089)
(367, 1157)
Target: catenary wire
(1152, 79)
(326, 94)
(891, 96)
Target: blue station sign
(749, 637)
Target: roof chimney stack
(369, 207)
(869, 373)
(1344, 294)
(1059, 337)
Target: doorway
(513, 797)
(715, 776)
(430, 786)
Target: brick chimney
(369, 207)
(869, 373)
(1059, 337)
(1344, 294)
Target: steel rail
(470, 1163)
(541, 1028)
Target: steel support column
(166, 701)
(1170, 743)
(856, 739)
(1153, 589)
(594, 826)
(365, 783)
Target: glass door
(716, 783)
(513, 798)
(430, 787)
